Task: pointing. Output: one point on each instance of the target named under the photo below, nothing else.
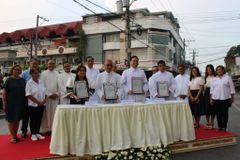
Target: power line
(220, 58)
(147, 45)
(212, 47)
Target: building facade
(155, 36)
(57, 42)
(159, 38)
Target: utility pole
(126, 4)
(193, 58)
(36, 36)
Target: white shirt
(106, 77)
(181, 83)
(92, 76)
(209, 80)
(50, 81)
(161, 77)
(37, 90)
(196, 83)
(222, 88)
(62, 83)
(126, 81)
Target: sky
(209, 27)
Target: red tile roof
(44, 31)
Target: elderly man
(62, 82)
(50, 80)
(108, 84)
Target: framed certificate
(69, 89)
(81, 89)
(109, 91)
(163, 90)
(137, 85)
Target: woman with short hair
(36, 94)
(14, 100)
(222, 96)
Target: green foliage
(230, 58)
(81, 48)
(42, 67)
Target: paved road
(223, 153)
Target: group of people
(34, 96)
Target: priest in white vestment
(126, 80)
(164, 77)
(92, 77)
(62, 82)
(112, 78)
(181, 84)
(50, 80)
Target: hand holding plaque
(81, 89)
(109, 91)
(163, 90)
(137, 85)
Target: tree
(230, 58)
(81, 48)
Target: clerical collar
(133, 69)
(108, 73)
(89, 68)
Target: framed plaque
(69, 89)
(163, 90)
(137, 85)
(109, 91)
(81, 89)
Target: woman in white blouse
(196, 95)
(209, 108)
(222, 96)
(36, 94)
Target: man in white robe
(92, 76)
(182, 83)
(162, 76)
(154, 70)
(108, 76)
(126, 80)
(50, 80)
(62, 82)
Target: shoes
(34, 137)
(39, 136)
(24, 135)
(222, 130)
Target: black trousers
(222, 107)
(35, 114)
(25, 120)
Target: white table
(92, 130)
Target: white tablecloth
(84, 130)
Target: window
(112, 37)
(159, 39)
